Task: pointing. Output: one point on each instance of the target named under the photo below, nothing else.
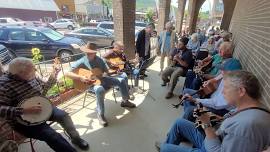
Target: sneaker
(82, 144)
(157, 145)
(128, 104)
(102, 120)
(169, 95)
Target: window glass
(3, 21)
(17, 35)
(52, 34)
(34, 36)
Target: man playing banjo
(19, 84)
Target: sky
(205, 6)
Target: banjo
(36, 118)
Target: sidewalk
(133, 130)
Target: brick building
(250, 26)
(29, 10)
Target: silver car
(99, 36)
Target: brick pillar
(229, 6)
(194, 8)
(124, 24)
(180, 14)
(164, 12)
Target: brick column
(180, 15)
(164, 12)
(194, 8)
(124, 24)
(229, 6)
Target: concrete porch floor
(133, 130)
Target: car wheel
(65, 55)
(70, 27)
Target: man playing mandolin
(91, 61)
(20, 83)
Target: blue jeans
(44, 132)
(136, 75)
(183, 130)
(189, 106)
(106, 84)
(192, 81)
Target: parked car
(108, 25)
(64, 24)
(20, 41)
(99, 36)
(8, 21)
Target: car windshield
(53, 34)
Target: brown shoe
(169, 95)
(102, 120)
(128, 104)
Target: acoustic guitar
(118, 64)
(92, 74)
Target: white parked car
(8, 21)
(109, 25)
(64, 24)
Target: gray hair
(241, 78)
(169, 25)
(18, 65)
(194, 36)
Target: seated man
(194, 82)
(91, 61)
(216, 103)
(117, 52)
(21, 83)
(240, 132)
(183, 60)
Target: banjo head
(35, 119)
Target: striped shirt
(14, 90)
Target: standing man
(166, 44)
(143, 48)
(91, 61)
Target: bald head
(226, 49)
(22, 67)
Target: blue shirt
(217, 100)
(84, 62)
(167, 43)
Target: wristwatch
(204, 126)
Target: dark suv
(21, 40)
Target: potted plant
(62, 91)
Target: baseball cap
(230, 64)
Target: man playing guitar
(21, 83)
(91, 61)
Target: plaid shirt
(14, 90)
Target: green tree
(149, 15)
(107, 3)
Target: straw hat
(89, 48)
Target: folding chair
(90, 92)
